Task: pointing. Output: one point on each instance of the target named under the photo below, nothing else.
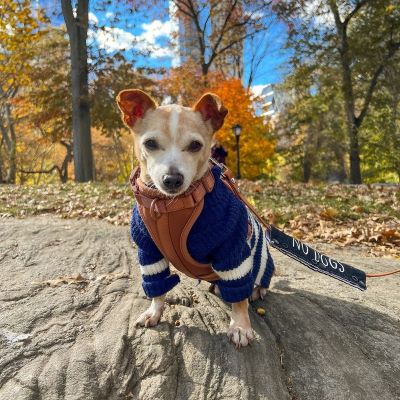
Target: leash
(298, 250)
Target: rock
(74, 338)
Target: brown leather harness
(169, 221)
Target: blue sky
(150, 32)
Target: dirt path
(75, 339)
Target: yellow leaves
(19, 30)
(329, 213)
(390, 8)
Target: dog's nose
(173, 181)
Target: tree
(216, 31)
(19, 31)
(360, 37)
(256, 148)
(311, 128)
(44, 108)
(381, 130)
(77, 28)
(184, 84)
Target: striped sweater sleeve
(157, 279)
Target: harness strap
(169, 221)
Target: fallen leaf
(329, 213)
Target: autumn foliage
(256, 150)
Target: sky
(151, 32)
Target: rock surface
(74, 338)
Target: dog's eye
(194, 146)
(151, 144)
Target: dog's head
(172, 142)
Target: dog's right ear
(134, 104)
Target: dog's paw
(240, 335)
(151, 317)
(258, 293)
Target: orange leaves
(255, 148)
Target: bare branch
(393, 48)
(227, 18)
(248, 35)
(42, 171)
(356, 9)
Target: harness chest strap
(169, 222)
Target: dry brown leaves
(345, 215)
(79, 280)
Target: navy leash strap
(300, 251)
(315, 260)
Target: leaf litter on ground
(345, 215)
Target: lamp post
(237, 129)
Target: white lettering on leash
(318, 257)
(324, 260)
(301, 246)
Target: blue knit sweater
(219, 237)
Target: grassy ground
(340, 214)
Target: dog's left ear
(211, 108)
(134, 104)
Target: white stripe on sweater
(264, 255)
(155, 268)
(239, 272)
(245, 267)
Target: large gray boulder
(70, 292)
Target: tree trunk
(355, 168)
(77, 31)
(308, 155)
(306, 168)
(352, 126)
(12, 170)
(347, 89)
(1, 162)
(342, 175)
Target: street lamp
(237, 129)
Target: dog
(173, 145)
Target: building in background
(230, 62)
(184, 37)
(273, 101)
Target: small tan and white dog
(173, 146)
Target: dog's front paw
(240, 334)
(151, 317)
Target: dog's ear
(211, 108)
(133, 104)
